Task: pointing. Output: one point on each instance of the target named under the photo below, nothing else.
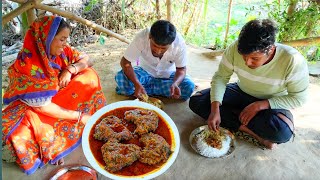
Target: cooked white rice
(208, 151)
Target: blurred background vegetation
(204, 22)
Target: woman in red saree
(51, 95)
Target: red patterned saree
(35, 139)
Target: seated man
(273, 78)
(161, 54)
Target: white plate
(96, 116)
(195, 132)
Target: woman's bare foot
(268, 144)
(59, 162)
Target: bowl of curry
(135, 151)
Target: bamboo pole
(228, 24)
(31, 16)
(24, 7)
(168, 10)
(158, 9)
(189, 23)
(19, 1)
(83, 21)
(295, 43)
(303, 42)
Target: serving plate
(195, 132)
(175, 145)
(74, 172)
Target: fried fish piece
(151, 100)
(117, 155)
(145, 120)
(156, 149)
(111, 128)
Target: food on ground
(154, 101)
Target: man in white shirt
(160, 54)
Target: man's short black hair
(257, 35)
(163, 32)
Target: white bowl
(96, 116)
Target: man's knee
(278, 130)
(119, 76)
(193, 103)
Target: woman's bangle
(68, 70)
(80, 116)
(75, 67)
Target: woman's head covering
(34, 74)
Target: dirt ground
(298, 159)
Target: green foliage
(90, 6)
(303, 22)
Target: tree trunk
(169, 10)
(228, 24)
(158, 10)
(184, 9)
(189, 23)
(31, 16)
(292, 7)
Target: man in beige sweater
(272, 78)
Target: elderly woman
(51, 95)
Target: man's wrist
(137, 84)
(174, 84)
(215, 107)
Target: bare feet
(59, 162)
(268, 144)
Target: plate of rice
(212, 144)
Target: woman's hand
(175, 91)
(251, 110)
(64, 78)
(85, 118)
(214, 121)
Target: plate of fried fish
(130, 140)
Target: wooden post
(24, 7)
(82, 20)
(168, 10)
(158, 9)
(303, 42)
(295, 43)
(228, 24)
(31, 16)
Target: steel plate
(193, 138)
